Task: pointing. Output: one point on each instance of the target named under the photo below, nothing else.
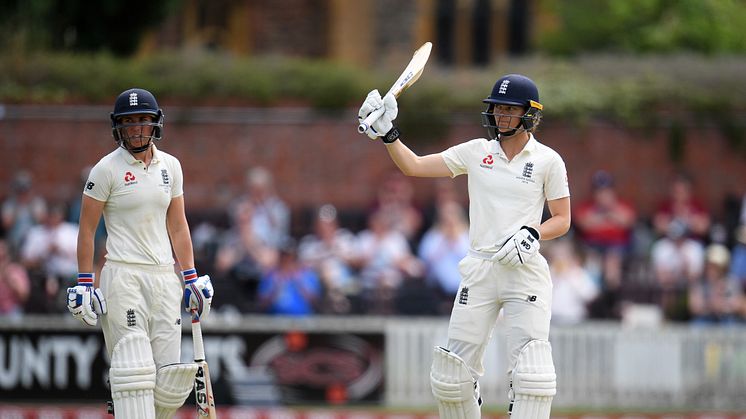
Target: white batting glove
(85, 302)
(384, 124)
(198, 293)
(520, 247)
(372, 102)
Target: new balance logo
(133, 99)
(463, 296)
(531, 298)
(131, 318)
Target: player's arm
(90, 215)
(178, 231)
(431, 165)
(559, 222)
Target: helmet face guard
(512, 90)
(136, 102)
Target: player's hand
(372, 102)
(520, 247)
(198, 293)
(85, 302)
(384, 124)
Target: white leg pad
(453, 386)
(132, 378)
(173, 384)
(534, 382)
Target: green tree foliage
(646, 26)
(79, 25)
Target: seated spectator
(384, 259)
(50, 255)
(330, 251)
(738, 261)
(23, 209)
(15, 285)
(241, 260)
(573, 288)
(605, 224)
(396, 197)
(677, 261)
(682, 206)
(290, 289)
(441, 249)
(716, 298)
(270, 216)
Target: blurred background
(644, 99)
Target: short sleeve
(556, 184)
(456, 157)
(99, 185)
(178, 187)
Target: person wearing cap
(716, 298)
(139, 190)
(511, 176)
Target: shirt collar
(130, 159)
(530, 146)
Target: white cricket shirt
(136, 200)
(505, 195)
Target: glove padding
(519, 248)
(86, 303)
(198, 294)
(384, 123)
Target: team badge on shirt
(528, 171)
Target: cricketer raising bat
(202, 385)
(411, 73)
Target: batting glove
(372, 102)
(385, 123)
(519, 248)
(85, 302)
(198, 292)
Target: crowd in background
(679, 263)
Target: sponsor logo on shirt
(129, 179)
(487, 162)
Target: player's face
(137, 129)
(508, 116)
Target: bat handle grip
(370, 119)
(199, 346)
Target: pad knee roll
(534, 382)
(132, 377)
(453, 386)
(173, 384)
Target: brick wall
(318, 159)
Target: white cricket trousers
(523, 293)
(145, 299)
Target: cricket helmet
(131, 102)
(515, 90)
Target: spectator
(396, 197)
(682, 206)
(50, 255)
(605, 224)
(330, 251)
(442, 248)
(384, 258)
(15, 285)
(715, 298)
(738, 262)
(22, 210)
(270, 216)
(290, 289)
(241, 259)
(677, 261)
(573, 288)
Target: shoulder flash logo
(463, 296)
(133, 99)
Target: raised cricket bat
(411, 73)
(202, 384)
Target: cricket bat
(202, 384)
(411, 73)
